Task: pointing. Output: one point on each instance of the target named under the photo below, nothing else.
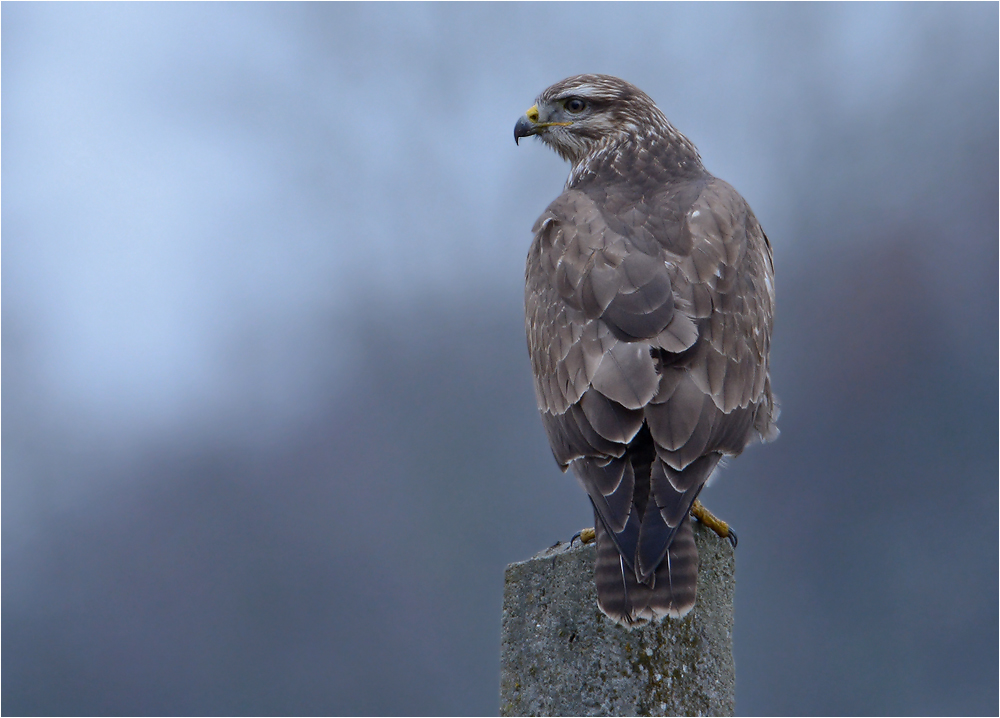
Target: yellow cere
(532, 115)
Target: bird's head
(582, 114)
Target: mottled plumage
(649, 301)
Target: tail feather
(670, 591)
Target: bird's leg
(720, 527)
(698, 510)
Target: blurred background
(269, 432)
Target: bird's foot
(719, 526)
(585, 535)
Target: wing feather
(648, 321)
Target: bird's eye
(575, 104)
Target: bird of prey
(649, 300)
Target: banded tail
(671, 589)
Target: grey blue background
(269, 434)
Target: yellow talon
(719, 526)
(699, 511)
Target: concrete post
(561, 656)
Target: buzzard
(649, 300)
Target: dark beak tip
(523, 128)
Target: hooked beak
(524, 128)
(528, 124)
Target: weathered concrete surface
(561, 656)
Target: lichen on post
(561, 656)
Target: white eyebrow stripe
(594, 92)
